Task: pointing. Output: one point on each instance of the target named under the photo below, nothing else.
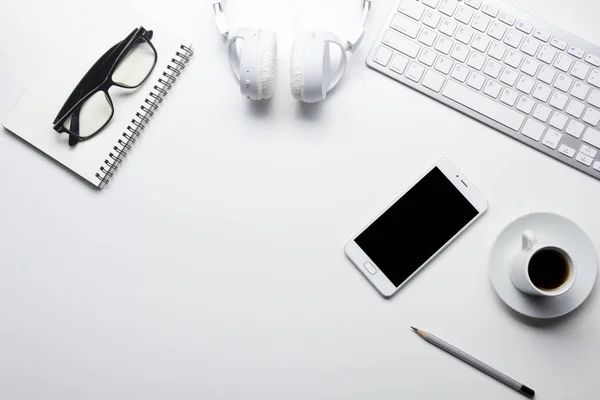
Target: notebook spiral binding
(146, 111)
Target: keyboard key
(525, 84)
(566, 150)
(443, 45)
(431, 3)
(460, 52)
(530, 46)
(546, 74)
(427, 57)
(558, 43)
(464, 35)
(558, 100)
(542, 92)
(399, 64)
(588, 151)
(401, 43)
(542, 112)
(464, 14)
(525, 27)
(432, 19)
(507, 18)
(415, 71)
(427, 37)
(513, 58)
(412, 8)
(460, 72)
(406, 26)
(513, 38)
(594, 98)
(525, 104)
(490, 10)
(563, 62)
(597, 165)
(383, 56)
(480, 43)
(481, 22)
(558, 120)
(530, 66)
(492, 69)
(492, 88)
(477, 60)
(483, 105)
(497, 30)
(497, 51)
(509, 76)
(592, 137)
(591, 116)
(580, 90)
(490, 62)
(546, 54)
(448, 27)
(580, 70)
(575, 128)
(575, 108)
(448, 7)
(592, 59)
(509, 97)
(576, 52)
(473, 3)
(541, 35)
(433, 81)
(476, 80)
(582, 158)
(552, 139)
(594, 78)
(563, 82)
(533, 129)
(443, 65)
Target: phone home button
(370, 268)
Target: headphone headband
(352, 43)
(220, 20)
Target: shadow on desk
(305, 111)
(546, 323)
(309, 111)
(260, 108)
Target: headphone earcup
(310, 68)
(297, 66)
(267, 64)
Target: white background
(212, 267)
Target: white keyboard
(501, 66)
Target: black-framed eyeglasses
(90, 108)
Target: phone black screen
(416, 226)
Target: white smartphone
(416, 227)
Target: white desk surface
(212, 266)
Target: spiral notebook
(95, 28)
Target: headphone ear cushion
(267, 64)
(298, 66)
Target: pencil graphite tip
(413, 328)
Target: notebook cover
(92, 32)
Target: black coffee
(549, 269)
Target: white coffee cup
(520, 269)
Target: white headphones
(312, 75)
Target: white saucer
(551, 228)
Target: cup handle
(528, 240)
